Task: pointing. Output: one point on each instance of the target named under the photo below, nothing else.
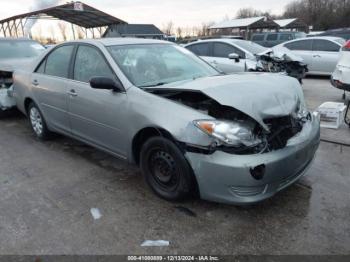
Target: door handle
(72, 93)
(35, 82)
(214, 62)
(317, 56)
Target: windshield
(157, 64)
(19, 49)
(251, 47)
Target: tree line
(321, 14)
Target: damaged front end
(232, 130)
(6, 91)
(279, 60)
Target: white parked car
(341, 75)
(228, 55)
(321, 54)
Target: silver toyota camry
(235, 139)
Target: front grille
(281, 130)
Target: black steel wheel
(166, 170)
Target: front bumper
(226, 178)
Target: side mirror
(234, 56)
(106, 83)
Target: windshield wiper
(153, 85)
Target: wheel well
(27, 102)
(142, 136)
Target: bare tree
(322, 14)
(63, 30)
(251, 12)
(205, 29)
(168, 28)
(80, 33)
(179, 32)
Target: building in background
(134, 30)
(245, 27)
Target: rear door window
(301, 45)
(58, 62)
(258, 38)
(286, 37)
(325, 46)
(271, 37)
(224, 50)
(202, 49)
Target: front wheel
(166, 170)
(37, 122)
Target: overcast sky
(159, 12)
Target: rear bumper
(227, 178)
(341, 78)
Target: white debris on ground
(155, 243)
(95, 212)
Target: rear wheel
(166, 170)
(37, 122)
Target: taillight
(347, 46)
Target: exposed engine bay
(6, 91)
(280, 60)
(281, 129)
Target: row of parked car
(321, 54)
(192, 129)
(270, 39)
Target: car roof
(20, 39)
(223, 40)
(120, 41)
(282, 32)
(331, 38)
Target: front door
(221, 52)
(96, 115)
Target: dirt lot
(47, 191)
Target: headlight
(229, 133)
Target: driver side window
(89, 63)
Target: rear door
(325, 56)
(221, 60)
(49, 83)
(302, 48)
(96, 116)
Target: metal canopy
(76, 13)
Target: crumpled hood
(258, 95)
(10, 65)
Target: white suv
(341, 75)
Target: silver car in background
(227, 55)
(321, 54)
(15, 53)
(235, 139)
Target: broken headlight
(233, 134)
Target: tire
(37, 122)
(166, 170)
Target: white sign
(78, 6)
